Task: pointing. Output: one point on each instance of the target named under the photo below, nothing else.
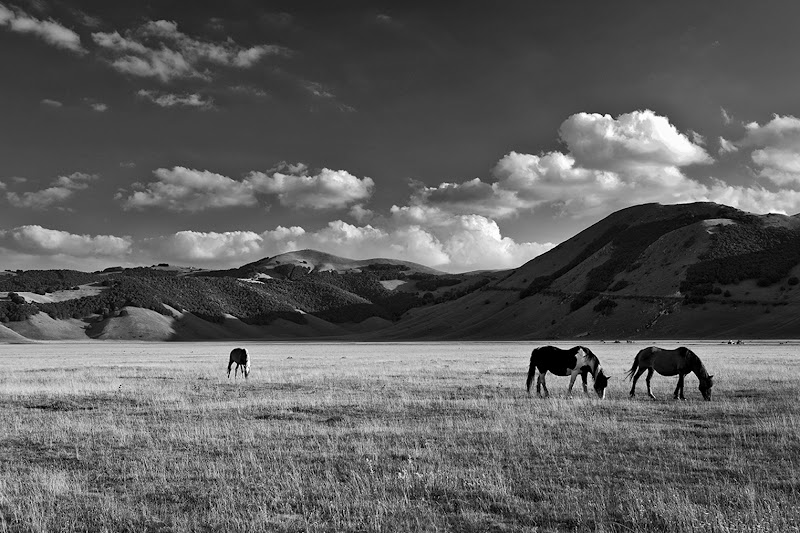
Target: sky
(459, 135)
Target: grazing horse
(577, 360)
(241, 358)
(679, 361)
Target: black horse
(577, 360)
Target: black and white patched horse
(679, 361)
(572, 362)
(242, 359)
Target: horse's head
(600, 384)
(705, 387)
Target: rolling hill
(698, 270)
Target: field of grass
(389, 437)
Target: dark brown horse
(679, 361)
(242, 359)
(577, 360)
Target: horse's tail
(634, 368)
(531, 373)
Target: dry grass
(402, 437)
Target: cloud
(611, 163)
(327, 189)
(777, 149)
(37, 240)
(697, 138)
(86, 19)
(358, 212)
(62, 189)
(49, 31)
(250, 90)
(628, 142)
(99, 107)
(726, 117)
(211, 246)
(726, 146)
(325, 94)
(51, 103)
(753, 199)
(157, 49)
(185, 189)
(177, 100)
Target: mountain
(698, 270)
(305, 261)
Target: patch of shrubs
(605, 306)
(44, 281)
(434, 283)
(766, 266)
(618, 286)
(16, 309)
(581, 299)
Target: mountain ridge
(690, 270)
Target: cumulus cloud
(157, 49)
(185, 189)
(51, 103)
(61, 190)
(611, 162)
(49, 31)
(777, 149)
(194, 100)
(327, 189)
(37, 240)
(632, 140)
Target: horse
(577, 360)
(241, 358)
(679, 361)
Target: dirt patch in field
(61, 405)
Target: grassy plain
(389, 437)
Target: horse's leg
(679, 388)
(635, 379)
(583, 377)
(230, 363)
(539, 384)
(572, 378)
(544, 385)
(649, 376)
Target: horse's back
(239, 354)
(665, 362)
(555, 360)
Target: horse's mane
(590, 354)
